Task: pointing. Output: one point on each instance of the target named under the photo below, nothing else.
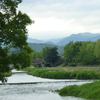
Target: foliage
(88, 91)
(71, 51)
(39, 46)
(72, 64)
(50, 54)
(86, 53)
(35, 55)
(97, 50)
(61, 74)
(13, 34)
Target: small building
(39, 62)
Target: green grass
(88, 91)
(62, 74)
(7, 74)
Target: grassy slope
(65, 73)
(88, 91)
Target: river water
(26, 87)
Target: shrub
(72, 64)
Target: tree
(86, 54)
(50, 54)
(35, 55)
(13, 34)
(71, 51)
(97, 50)
(68, 52)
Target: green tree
(13, 34)
(35, 55)
(50, 54)
(86, 54)
(97, 50)
(71, 51)
(68, 52)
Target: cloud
(62, 17)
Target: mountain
(95, 38)
(63, 41)
(30, 40)
(79, 37)
(55, 40)
(49, 42)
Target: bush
(72, 64)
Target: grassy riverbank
(8, 74)
(65, 73)
(88, 91)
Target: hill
(63, 41)
(39, 46)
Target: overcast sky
(61, 18)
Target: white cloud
(62, 17)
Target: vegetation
(86, 53)
(13, 34)
(6, 74)
(39, 46)
(88, 91)
(49, 54)
(55, 73)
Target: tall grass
(61, 74)
(88, 91)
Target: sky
(61, 18)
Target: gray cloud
(79, 15)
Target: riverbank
(65, 73)
(7, 74)
(87, 91)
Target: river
(21, 86)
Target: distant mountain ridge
(30, 40)
(87, 36)
(79, 37)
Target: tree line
(74, 53)
(86, 53)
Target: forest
(86, 53)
